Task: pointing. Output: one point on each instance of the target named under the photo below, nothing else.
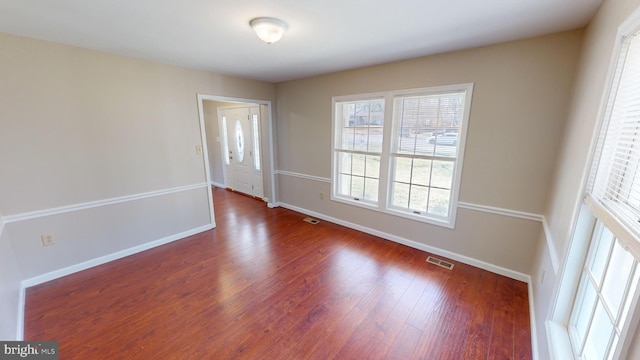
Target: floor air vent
(442, 263)
(311, 220)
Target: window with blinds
(614, 196)
(401, 152)
(599, 326)
(423, 167)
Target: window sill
(558, 339)
(375, 207)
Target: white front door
(241, 145)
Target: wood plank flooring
(266, 285)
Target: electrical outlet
(199, 149)
(47, 239)
(321, 196)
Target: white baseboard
(218, 185)
(416, 245)
(105, 259)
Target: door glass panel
(239, 139)
(256, 143)
(225, 142)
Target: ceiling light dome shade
(268, 29)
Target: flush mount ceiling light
(268, 29)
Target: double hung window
(601, 324)
(401, 152)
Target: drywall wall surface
(520, 99)
(80, 125)
(10, 289)
(86, 235)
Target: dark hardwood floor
(266, 285)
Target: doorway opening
(238, 150)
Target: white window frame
(384, 192)
(581, 312)
(337, 149)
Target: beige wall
(517, 116)
(10, 289)
(573, 157)
(213, 139)
(581, 126)
(80, 125)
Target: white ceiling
(324, 35)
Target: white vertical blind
(615, 195)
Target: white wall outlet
(321, 196)
(47, 239)
(199, 149)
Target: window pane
(603, 240)
(344, 163)
(446, 144)
(373, 166)
(348, 139)
(402, 169)
(583, 309)
(615, 282)
(357, 187)
(375, 139)
(442, 174)
(225, 140)
(418, 198)
(400, 195)
(360, 124)
(421, 172)
(256, 143)
(239, 141)
(613, 346)
(439, 202)
(352, 181)
(406, 142)
(371, 189)
(358, 164)
(599, 335)
(426, 123)
(344, 185)
(629, 300)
